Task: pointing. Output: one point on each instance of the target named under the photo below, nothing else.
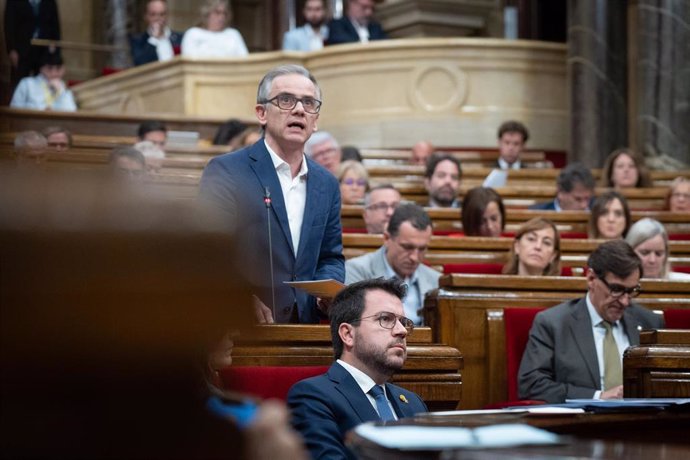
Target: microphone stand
(267, 202)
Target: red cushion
(566, 271)
(685, 269)
(679, 236)
(354, 230)
(574, 235)
(518, 322)
(484, 269)
(267, 381)
(676, 318)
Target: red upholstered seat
(679, 236)
(574, 235)
(518, 322)
(676, 318)
(267, 381)
(484, 269)
(685, 269)
(354, 230)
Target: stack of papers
(440, 438)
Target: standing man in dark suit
(158, 42)
(357, 24)
(369, 335)
(24, 21)
(273, 183)
(574, 190)
(575, 349)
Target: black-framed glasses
(388, 320)
(617, 290)
(287, 101)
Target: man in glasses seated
(284, 207)
(575, 349)
(325, 150)
(369, 334)
(379, 205)
(404, 244)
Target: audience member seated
(649, 240)
(324, 149)
(512, 137)
(483, 213)
(47, 90)
(213, 38)
(610, 216)
(59, 139)
(575, 349)
(442, 180)
(249, 136)
(574, 190)
(312, 35)
(421, 152)
(356, 25)
(228, 131)
(154, 131)
(536, 250)
(354, 182)
(30, 149)
(158, 42)
(153, 156)
(678, 199)
(405, 242)
(350, 152)
(128, 163)
(625, 168)
(369, 332)
(379, 205)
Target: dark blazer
(326, 407)
(234, 184)
(342, 31)
(547, 206)
(560, 360)
(20, 22)
(143, 52)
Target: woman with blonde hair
(625, 168)
(213, 38)
(678, 199)
(354, 182)
(536, 250)
(649, 240)
(610, 216)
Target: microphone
(267, 202)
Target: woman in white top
(649, 240)
(214, 38)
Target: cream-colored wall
(453, 92)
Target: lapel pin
(403, 399)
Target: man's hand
(157, 29)
(612, 393)
(264, 315)
(56, 85)
(270, 436)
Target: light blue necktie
(382, 403)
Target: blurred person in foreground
(575, 349)
(369, 332)
(133, 295)
(59, 139)
(154, 131)
(379, 205)
(127, 163)
(30, 149)
(286, 206)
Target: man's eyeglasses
(382, 207)
(287, 101)
(388, 320)
(617, 290)
(678, 195)
(351, 181)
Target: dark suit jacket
(560, 361)
(342, 31)
(326, 407)
(547, 206)
(20, 23)
(234, 184)
(143, 52)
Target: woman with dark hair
(536, 250)
(483, 213)
(610, 217)
(625, 168)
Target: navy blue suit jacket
(326, 407)
(547, 206)
(342, 31)
(234, 184)
(143, 52)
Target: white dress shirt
(622, 341)
(366, 383)
(412, 302)
(164, 48)
(294, 193)
(362, 31)
(202, 43)
(35, 93)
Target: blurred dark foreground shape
(109, 303)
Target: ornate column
(659, 33)
(597, 77)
